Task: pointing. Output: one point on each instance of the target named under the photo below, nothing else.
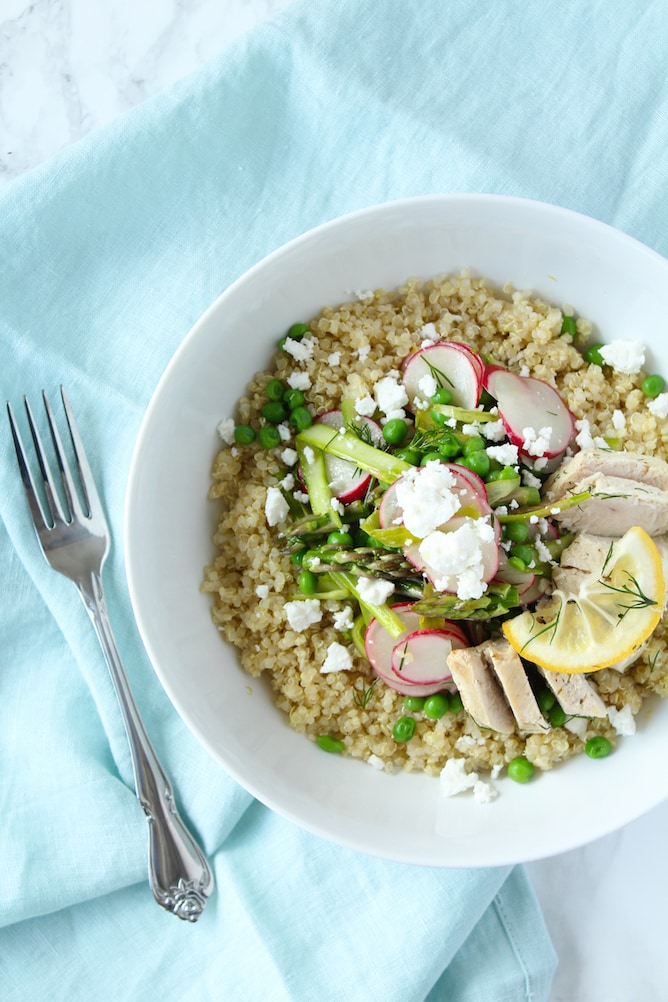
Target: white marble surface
(69, 66)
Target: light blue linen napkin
(108, 254)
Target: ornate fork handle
(180, 877)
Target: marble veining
(70, 66)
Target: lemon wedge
(606, 621)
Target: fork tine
(95, 509)
(39, 518)
(53, 501)
(63, 466)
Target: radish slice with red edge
(421, 658)
(379, 644)
(528, 405)
(346, 481)
(451, 367)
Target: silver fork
(75, 541)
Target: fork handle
(180, 877)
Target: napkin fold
(108, 254)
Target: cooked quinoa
(250, 580)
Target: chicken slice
(575, 694)
(507, 665)
(581, 561)
(588, 462)
(479, 690)
(616, 504)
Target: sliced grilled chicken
(509, 670)
(575, 694)
(588, 462)
(479, 689)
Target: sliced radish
(452, 366)
(540, 587)
(379, 645)
(469, 488)
(526, 405)
(421, 658)
(346, 481)
(523, 580)
(489, 553)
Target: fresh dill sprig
(363, 698)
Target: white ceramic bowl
(568, 258)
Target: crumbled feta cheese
(376, 762)
(399, 413)
(624, 356)
(456, 559)
(299, 380)
(300, 496)
(622, 720)
(365, 406)
(284, 432)
(374, 591)
(427, 385)
(529, 480)
(524, 370)
(471, 429)
(455, 779)
(429, 333)
(507, 455)
(659, 406)
(390, 393)
(287, 483)
(309, 454)
(303, 613)
(276, 507)
(426, 497)
(334, 358)
(362, 294)
(618, 420)
(289, 457)
(301, 350)
(234, 451)
(225, 429)
(363, 352)
(338, 659)
(542, 551)
(584, 438)
(343, 619)
(484, 792)
(336, 506)
(493, 431)
(577, 725)
(262, 591)
(536, 443)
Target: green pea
(297, 558)
(395, 431)
(274, 412)
(568, 325)
(653, 385)
(308, 582)
(456, 705)
(413, 702)
(523, 553)
(442, 396)
(520, 769)
(330, 744)
(436, 706)
(449, 447)
(274, 390)
(556, 716)
(474, 444)
(269, 437)
(545, 699)
(244, 434)
(300, 418)
(517, 563)
(598, 747)
(297, 331)
(411, 456)
(339, 538)
(432, 457)
(516, 532)
(404, 729)
(505, 473)
(293, 398)
(593, 355)
(478, 462)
